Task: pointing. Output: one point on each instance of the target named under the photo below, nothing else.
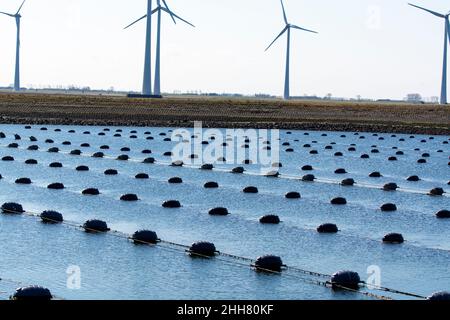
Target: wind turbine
(159, 9)
(446, 38)
(287, 29)
(147, 82)
(17, 16)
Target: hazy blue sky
(376, 48)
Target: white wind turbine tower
(287, 29)
(147, 82)
(446, 38)
(159, 9)
(17, 17)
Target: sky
(372, 48)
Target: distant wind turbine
(446, 38)
(17, 16)
(147, 82)
(287, 28)
(159, 9)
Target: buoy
(167, 154)
(393, 238)
(125, 149)
(270, 219)
(7, 158)
(400, 153)
(33, 148)
(269, 263)
(238, 170)
(75, 152)
(85, 145)
(202, 248)
(146, 151)
(437, 192)
(375, 151)
(2, 135)
(13, 145)
(338, 154)
(149, 160)
(82, 168)
(129, 197)
(123, 157)
(51, 217)
(91, 192)
(422, 161)
(340, 171)
(365, 156)
(32, 293)
(277, 165)
(314, 152)
(327, 228)
(211, 185)
(308, 178)
(219, 212)
(171, 204)
(307, 168)
(53, 150)
(143, 237)
(177, 163)
(23, 181)
(93, 226)
(390, 187)
(17, 137)
(345, 279)
(289, 150)
(67, 143)
(272, 174)
(443, 214)
(142, 176)
(348, 182)
(352, 149)
(31, 162)
(413, 179)
(55, 186)
(250, 190)
(207, 166)
(328, 147)
(175, 180)
(104, 147)
(388, 207)
(98, 155)
(55, 165)
(12, 208)
(111, 172)
(375, 175)
(339, 201)
(292, 195)
(440, 296)
(392, 159)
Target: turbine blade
(284, 12)
(8, 14)
(303, 29)
(20, 8)
(178, 17)
(281, 33)
(437, 14)
(170, 12)
(143, 17)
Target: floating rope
(172, 246)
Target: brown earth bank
(224, 113)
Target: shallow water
(112, 268)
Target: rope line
(172, 246)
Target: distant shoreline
(91, 110)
